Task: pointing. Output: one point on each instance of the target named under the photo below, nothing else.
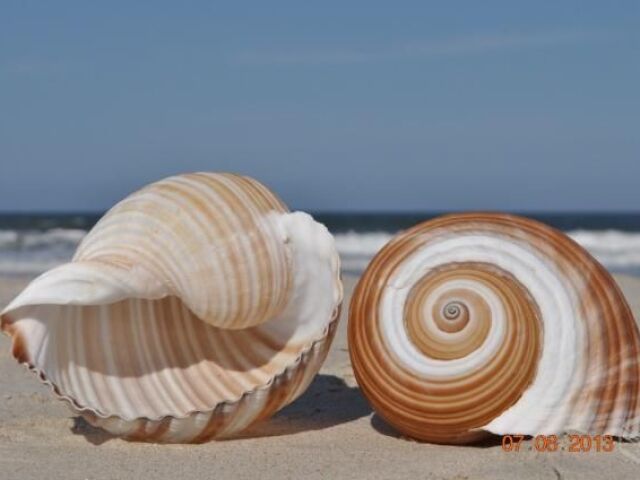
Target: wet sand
(330, 432)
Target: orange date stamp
(551, 443)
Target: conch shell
(480, 323)
(195, 307)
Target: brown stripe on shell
(18, 346)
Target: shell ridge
(88, 283)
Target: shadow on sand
(382, 427)
(328, 401)
(93, 435)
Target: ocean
(33, 243)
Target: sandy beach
(330, 432)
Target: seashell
(478, 323)
(195, 307)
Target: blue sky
(366, 106)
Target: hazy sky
(409, 105)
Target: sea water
(33, 243)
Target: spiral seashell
(479, 323)
(193, 308)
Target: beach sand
(330, 432)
